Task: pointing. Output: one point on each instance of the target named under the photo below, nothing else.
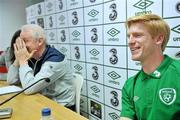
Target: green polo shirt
(155, 96)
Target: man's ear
(40, 40)
(159, 39)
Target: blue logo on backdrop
(113, 14)
(39, 9)
(95, 74)
(114, 99)
(50, 21)
(77, 53)
(75, 18)
(94, 37)
(178, 7)
(60, 5)
(63, 37)
(113, 59)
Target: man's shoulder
(54, 55)
(175, 65)
(176, 62)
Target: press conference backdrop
(92, 34)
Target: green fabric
(155, 96)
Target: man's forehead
(26, 38)
(25, 34)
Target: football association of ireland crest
(167, 95)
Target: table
(28, 107)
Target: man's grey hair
(36, 31)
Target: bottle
(46, 114)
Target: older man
(37, 60)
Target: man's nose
(131, 40)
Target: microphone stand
(46, 79)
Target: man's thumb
(32, 53)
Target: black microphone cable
(45, 79)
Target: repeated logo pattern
(178, 7)
(76, 33)
(114, 116)
(113, 75)
(62, 18)
(94, 52)
(78, 67)
(177, 55)
(176, 29)
(51, 35)
(142, 4)
(95, 89)
(113, 32)
(93, 36)
(63, 50)
(93, 13)
(49, 5)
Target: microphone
(43, 79)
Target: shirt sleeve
(128, 109)
(13, 75)
(48, 69)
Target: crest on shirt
(167, 95)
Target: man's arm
(128, 110)
(125, 118)
(13, 75)
(52, 70)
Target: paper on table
(9, 89)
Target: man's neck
(152, 63)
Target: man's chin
(135, 58)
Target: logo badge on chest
(167, 95)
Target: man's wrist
(16, 63)
(23, 62)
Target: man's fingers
(15, 47)
(20, 43)
(23, 44)
(32, 53)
